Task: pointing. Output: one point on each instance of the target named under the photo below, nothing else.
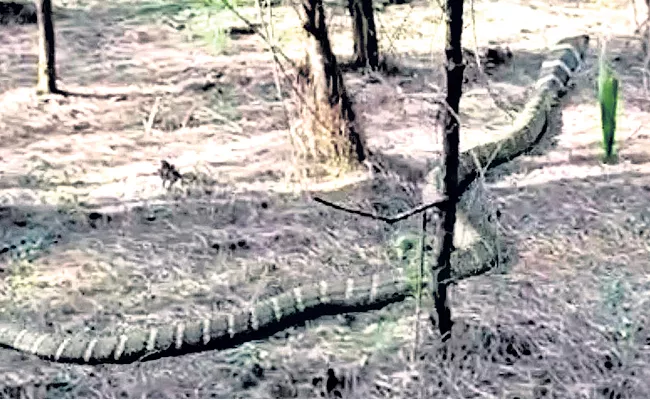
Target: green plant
(608, 99)
(616, 299)
(209, 23)
(217, 37)
(156, 9)
(406, 247)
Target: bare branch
(438, 203)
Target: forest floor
(577, 296)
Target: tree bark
(366, 49)
(331, 100)
(645, 36)
(455, 69)
(46, 55)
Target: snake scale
(324, 298)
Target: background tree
(327, 115)
(366, 49)
(46, 55)
(646, 35)
(455, 70)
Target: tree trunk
(366, 49)
(455, 69)
(46, 57)
(645, 37)
(331, 105)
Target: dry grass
(568, 320)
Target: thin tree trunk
(331, 99)
(645, 37)
(455, 69)
(366, 49)
(46, 55)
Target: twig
(398, 31)
(254, 28)
(482, 74)
(646, 20)
(270, 33)
(438, 203)
(277, 51)
(631, 136)
(188, 115)
(148, 124)
(235, 127)
(418, 298)
(636, 20)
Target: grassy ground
(568, 320)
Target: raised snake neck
(323, 298)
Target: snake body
(323, 298)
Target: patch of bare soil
(91, 242)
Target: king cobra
(293, 307)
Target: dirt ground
(99, 245)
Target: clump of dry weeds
(320, 134)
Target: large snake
(326, 298)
